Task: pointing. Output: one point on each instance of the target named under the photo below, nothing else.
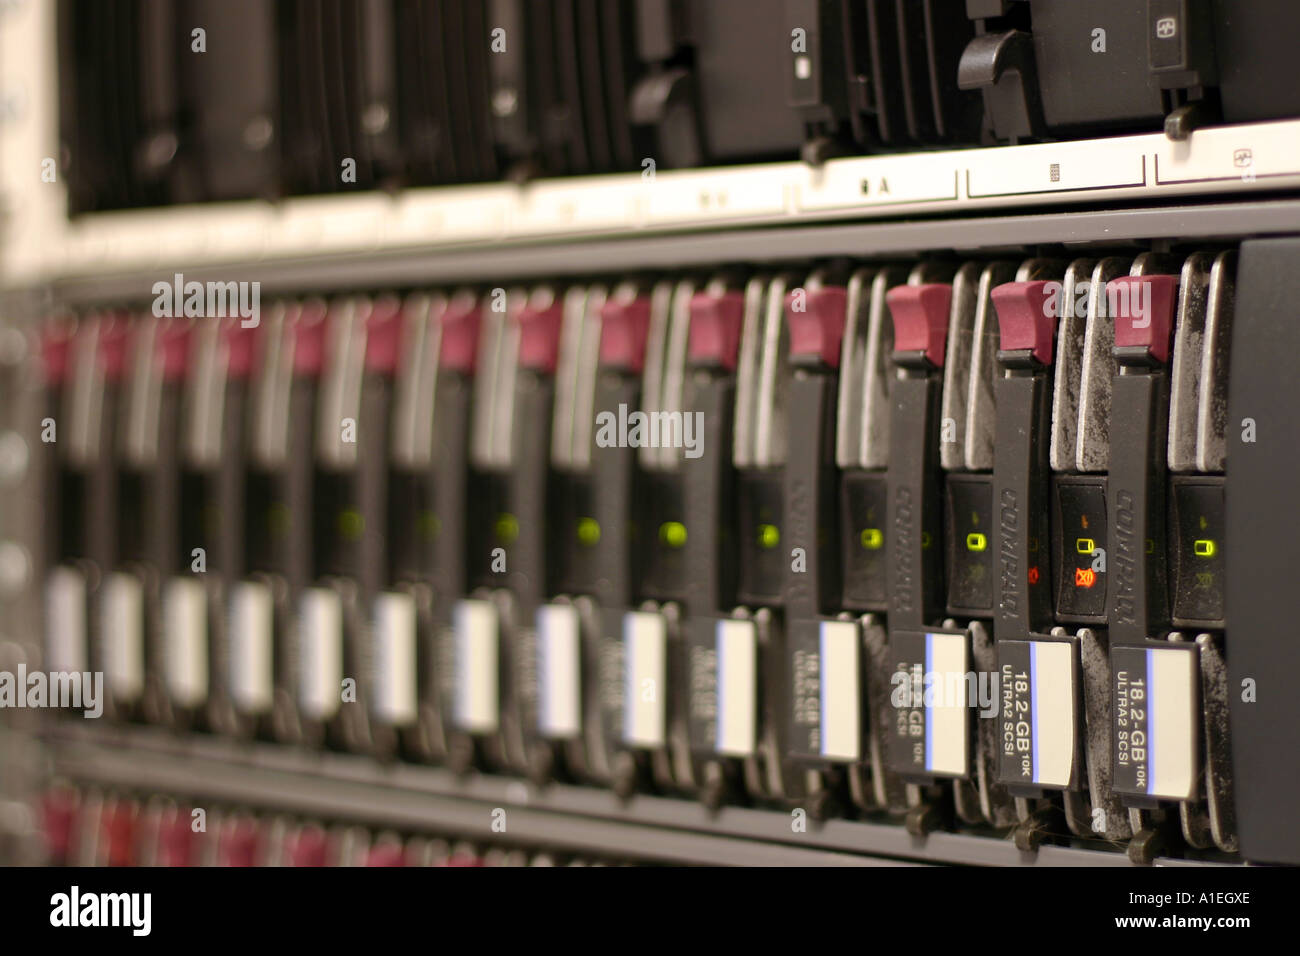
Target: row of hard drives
(96, 828)
(937, 540)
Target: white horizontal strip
(1053, 715)
(396, 679)
(477, 699)
(947, 720)
(559, 645)
(645, 635)
(122, 624)
(1147, 167)
(1172, 723)
(65, 620)
(841, 694)
(185, 624)
(320, 649)
(737, 644)
(252, 649)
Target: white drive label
(947, 719)
(478, 708)
(1088, 164)
(320, 643)
(65, 621)
(123, 629)
(185, 623)
(880, 181)
(841, 716)
(737, 688)
(560, 671)
(1052, 711)
(1172, 723)
(1156, 734)
(252, 624)
(646, 638)
(396, 685)
(704, 196)
(1038, 721)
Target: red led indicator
(1085, 577)
(1033, 575)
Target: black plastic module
(1092, 64)
(148, 484)
(761, 507)
(648, 335)
(486, 661)
(1038, 673)
(930, 740)
(1081, 449)
(1137, 601)
(1156, 748)
(722, 653)
(428, 513)
(644, 639)
(349, 510)
(862, 440)
(67, 606)
(1078, 540)
(759, 456)
(278, 533)
(967, 438)
(196, 672)
(663, 577)
(864, 507)
(827, 719)
(115, 627)
(971, 546)
(1263, 550)
(1197, 529)
(525, 528)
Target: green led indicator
(925, 540)
(1204, 548)
(976, 541)
(769, 536)
(507, 528)
(351, 524)
(428, 525)
(1085, 545)
(588, 531)
(872, 538)
(672, 534)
